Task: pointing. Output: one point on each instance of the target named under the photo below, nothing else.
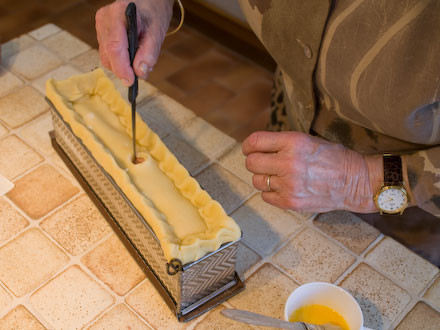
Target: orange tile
(259, 123)
(166, 65)
(192, 47)
(113, 265)
(119, 317)
(169, 89)
(5, 300)
(11, 221)
(177, 37)
(243, 76)
(20, 318)
(37, 134)
(210, 65)
(17, 157)
(40, 191)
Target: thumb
(148, 52)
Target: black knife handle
(130, 15)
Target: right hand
(153, 19)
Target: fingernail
(144, 68)
(126, 83)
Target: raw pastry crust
(186, 220)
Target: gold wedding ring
(268, 182)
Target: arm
(153, 20)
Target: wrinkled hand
(153, 18)
(311, 174)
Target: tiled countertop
(61, 266)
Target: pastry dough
(186, 220)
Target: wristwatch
(392, 197)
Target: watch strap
(392, 170)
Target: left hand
(311, 174)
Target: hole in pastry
(138, 160)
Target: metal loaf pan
(190, 289)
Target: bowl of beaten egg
(321, 303)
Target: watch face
(392, 200)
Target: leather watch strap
(392, 170)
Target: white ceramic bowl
(329, 295)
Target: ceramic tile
(22, 106)
(119, 317)
(41, 190)
(8, 82)
(167, 112)
(44, 31)
(28, 261)
(77, 225)
(421, 317)
(224, 187)
(264, 226)
(166, 65)
(311, 257)
(246, 258)
(59, 163)
(66, 45)
(11, 221)
(266, 292)
(234, 161)
(20, 318)
(380, 299)
(155, 126)
(146, 90)
(433, 293)
(5, 299)
(32, 62)
(402, 265)
(88, 61)
(348, 229)
(169, 89)
(142, 298)
(60, 73)
(17, 157)
(16, 45)
(37, 134)
(192, 159)
(215, 321)
(71, 300)
(113, 265)
(203, 136)
(3, 131)
(243, 76)
(194, 46)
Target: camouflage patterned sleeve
(424, 179)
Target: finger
(262, 183)
(274, 198)
(148, 51)
(265, 142)
(103, 58)
(263, 163)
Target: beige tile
(22, 106)
(192, 159)
(11, 221)
(119, 317)
(28, 261)
(17, 157)
(234, 161)
(224, 187)
(44, 31)
(14, 46)
(167, 112)
(433, 293)
(60, 73)
(215, 321)
(5, 299)
(77, 225)
(66, 45)
(380, 299)
(402, 265)
(71, 300)
(264, 226)
(55, 159)
(162, 132)
(113, 265)
(3, 130)
(88, 61)
(20, 318)
(203, 136)
(41, 190)
(421, 317)
(266, 292)
(246, 258)
(348, 229)
(37, 134)
(146, 90)
(8, 82)
(160, 316)
(32, 62)
(311, 257)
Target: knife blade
(130, 15)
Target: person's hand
(311, 174)
(153, 18)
